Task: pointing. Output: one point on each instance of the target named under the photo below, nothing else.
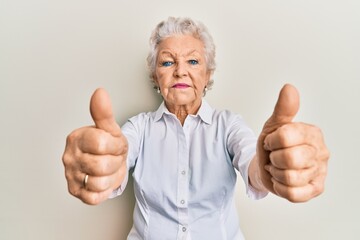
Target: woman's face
(181, 71)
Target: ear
(208, 76)
(155, 80)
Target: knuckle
(289, 157)
(66, 159)
(69, 158)
(121, 145)
(100, 142)
(124, 149)
(103, 184)
(285, 135)
(318, 188)
(73, 190)
(72, 153)
(69, 176)
(101, 165)
(125, 145)
(91, 140)
(292, 195)
(289, 177)
(71, 137)
(91, 198)
(102, 168)
(72, 163)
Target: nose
(180, 70)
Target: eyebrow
(166, 52)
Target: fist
(95, 156)
(292, 156)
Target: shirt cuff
(252, 192)
(121, 188)
(255, 194)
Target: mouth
(180, 85)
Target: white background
(54, 54)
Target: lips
(181, 85)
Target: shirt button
(184, 229)
(183, 172)
(182, 201)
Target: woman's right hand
(95, 156)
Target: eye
(167, 64)
(193, 62)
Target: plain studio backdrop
(54, 54)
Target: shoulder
(230, 122)
(225, 116)
(141, 117)
(138, 122)
(214, 116)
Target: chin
(181, 99)
(185, 101)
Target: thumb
(101, 112)
(285, 109)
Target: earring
(204, 92)
(158, 90)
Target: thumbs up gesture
(95, 156)
(291, 156)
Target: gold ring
(85, 180)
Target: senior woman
(184, 156)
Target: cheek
(158, 77)
(203, 79)
(163, 77)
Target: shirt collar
(205, 112)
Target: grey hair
(181, 26)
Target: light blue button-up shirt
(184, 176)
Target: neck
(182, 111)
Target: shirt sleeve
(132, 131)
(241, 144)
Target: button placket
(183, 165)
(182, 232)
(183, 182)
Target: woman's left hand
(292, 156)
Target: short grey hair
(181, 26)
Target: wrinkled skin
(292, 157)
(99, 151)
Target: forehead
(181, 45)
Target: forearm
(254, 175)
